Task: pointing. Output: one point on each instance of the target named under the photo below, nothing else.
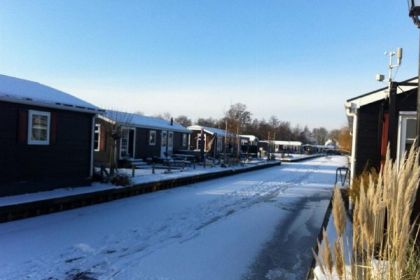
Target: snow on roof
(284, 143)
(351, 105)
(251, 138)
(23, 91)
(210, 130)
(143, 121)
(381, 93)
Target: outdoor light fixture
(414, 11)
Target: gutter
(351, 112)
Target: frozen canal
(257, 225)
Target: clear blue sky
(298, 60)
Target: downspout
(92, 136)
(352, 112)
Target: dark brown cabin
(139, 138)
(45, 140)
(379, 118)
(215, 140)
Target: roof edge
(58, 105)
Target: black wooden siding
(370, 126)
(143, 149)
(178, 141)
(368, 137)
(64, 162)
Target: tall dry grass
(383, 235)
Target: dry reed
(383, 236)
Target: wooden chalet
(216, 140)
(249, 144)
(278, 146)
(379, 118)
(139, 137)
(46, 138)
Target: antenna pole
(418, 109)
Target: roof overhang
(129, 124)
(353, 104)
(57, 105)
(381, 94)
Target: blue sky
(298, 60)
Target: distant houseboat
(46, 137)
(278, 146)
(249, 145)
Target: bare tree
(237, 117)
(183, 120)
(117, 121)
(209, 122)
(164, 116)
(320, 134)
(345, 139)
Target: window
(152, 137)
(184, 140)
(39, 128)
(219, 144)
(170, 139)
(97, 137)
(407, 126)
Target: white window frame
(402, 132)
(97, 131)
(31, 113)
(154, 142)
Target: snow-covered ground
(255, 225)
(141, 176)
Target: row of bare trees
(238, 119)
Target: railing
(342, 174)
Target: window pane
(164, 139)
(411, 128)
(40, 120)
(39, 127)
(184, 140)
(152, 137)
(39, 134)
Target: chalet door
(127, 143)
(199, 142)
(170, 143)
(163, 143)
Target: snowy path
(220, 229)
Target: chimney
(172, 121)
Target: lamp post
(414, 13)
